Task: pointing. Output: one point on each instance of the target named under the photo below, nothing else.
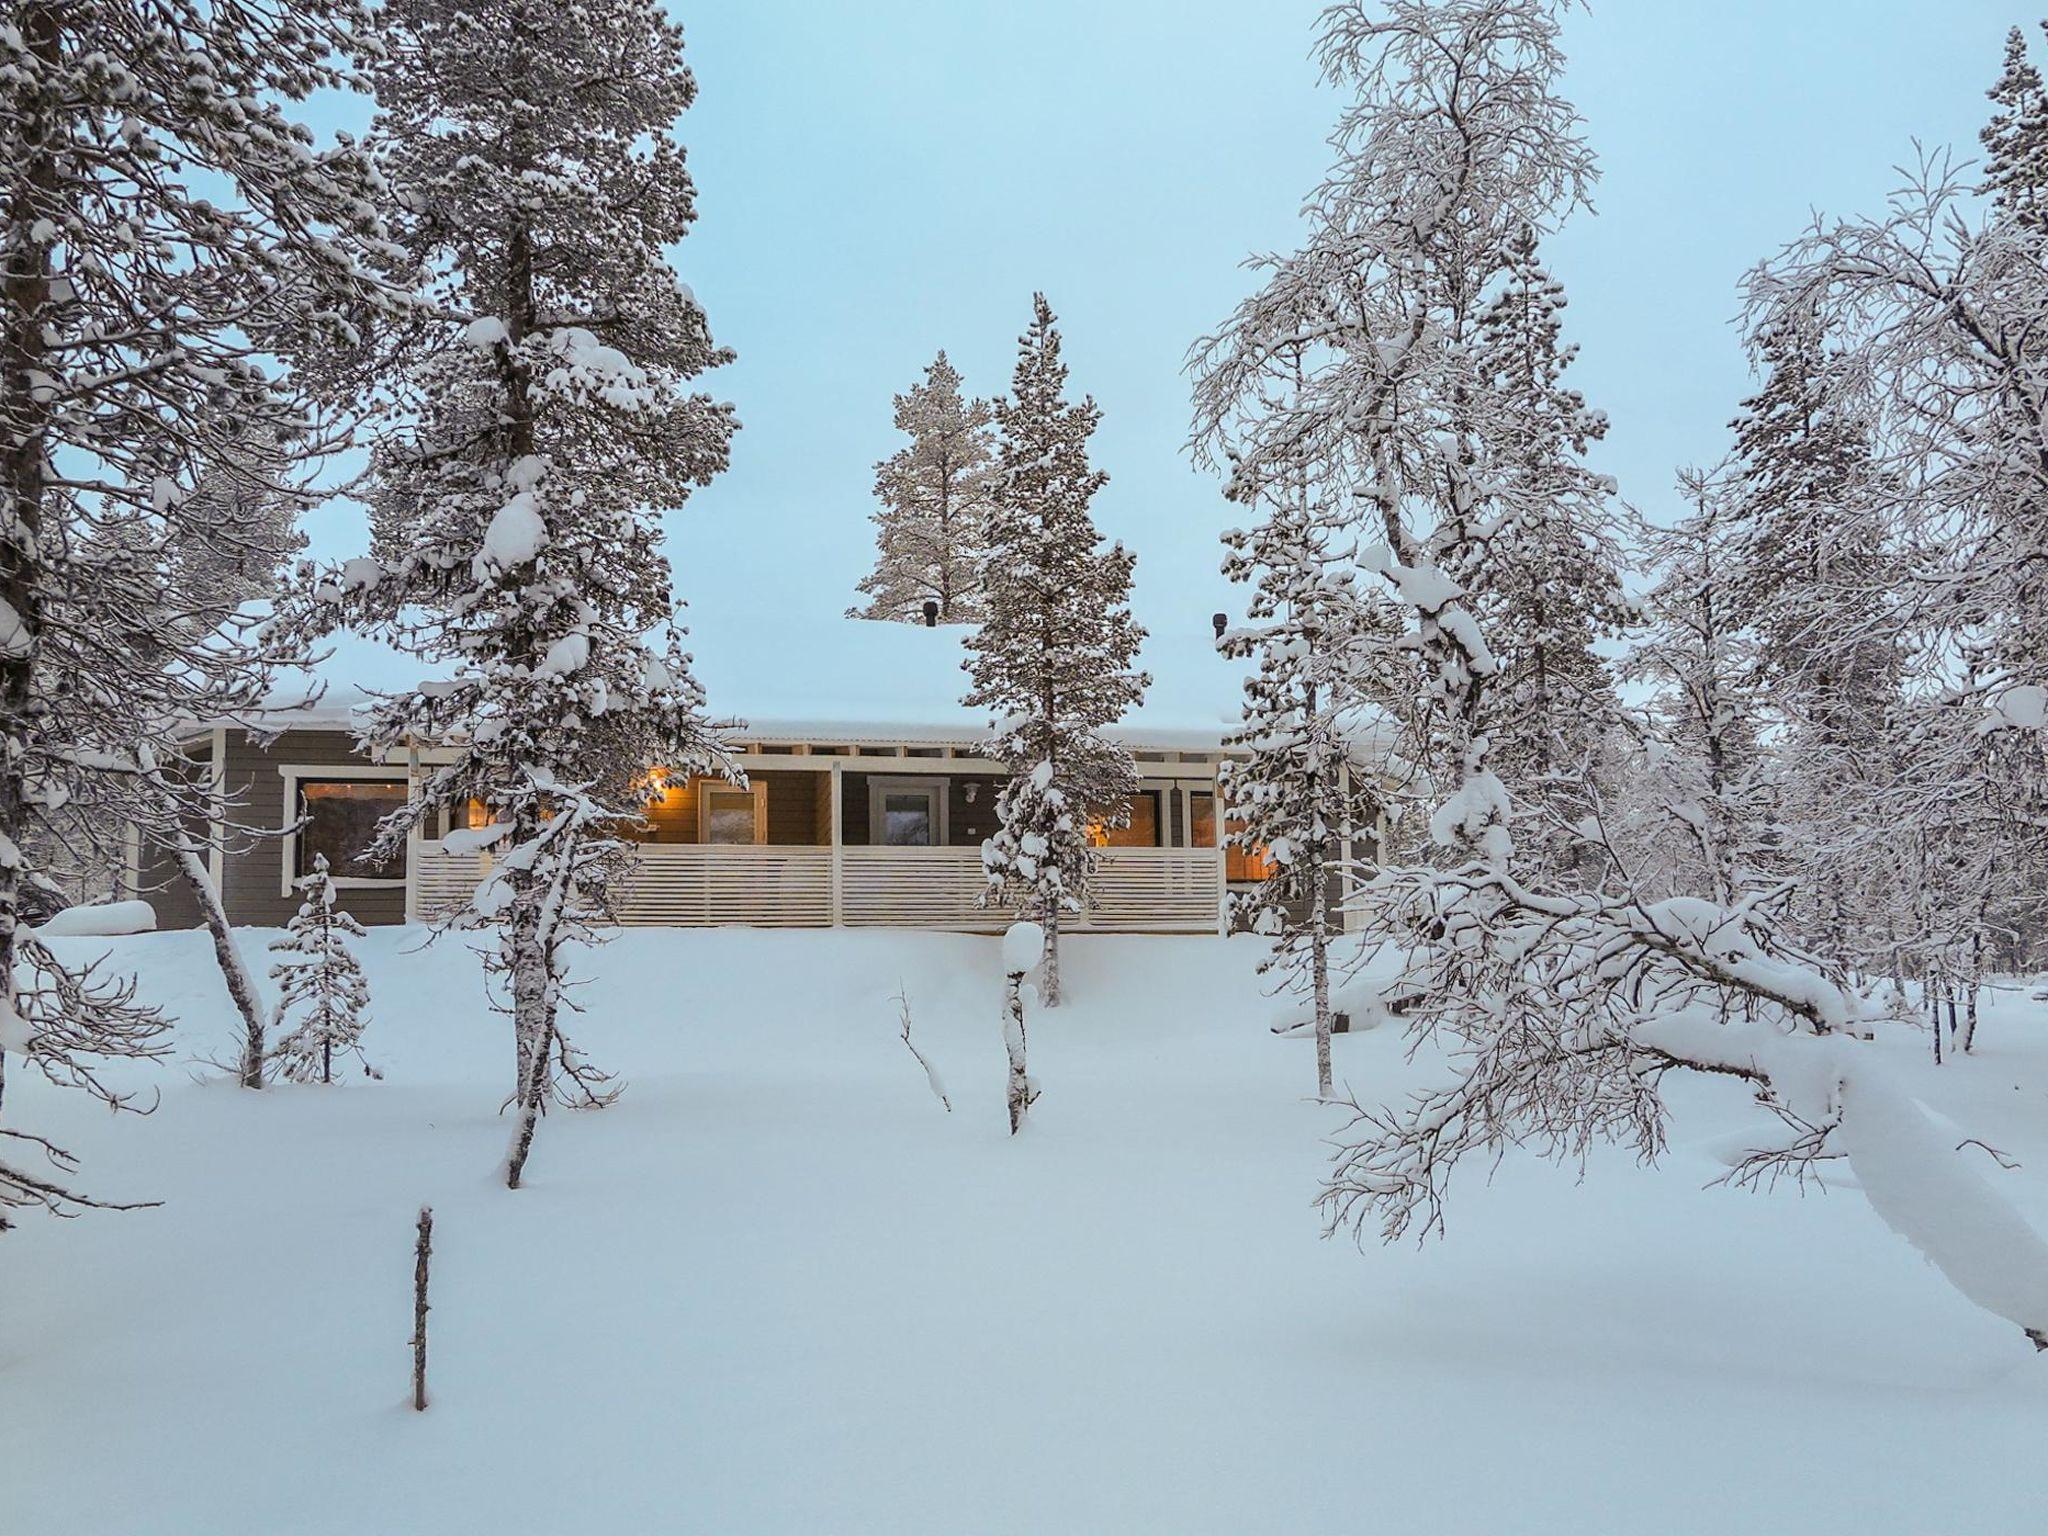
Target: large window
(1140, 828)
(339, 817)
(1240, 865)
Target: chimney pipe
(931, 614)
(1221, 622)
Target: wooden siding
(161, 883)
(254, 873)
(793, 815)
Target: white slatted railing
(703, 885)
(916, 888)
(692, 885)
(441, 881)
(1155, 890)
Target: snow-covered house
(866, 803)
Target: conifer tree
(321, 982)
(2016, 139)
(1706, 772)
(1809, 574)
(934, 495)
(1554, 589)
(1054, 657)
(1291, 795)
(168, 234)
(548, 418)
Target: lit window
(1140, 828)
(731, 816)
(1240, 865)
(340, 818)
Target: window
(734, 817)
(338, 817)
(906, 813)
(1240, 865)
(1141, 830)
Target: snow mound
(107, 918)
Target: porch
(879, 837)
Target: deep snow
(777, 1288)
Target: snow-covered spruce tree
(1560, 1008)
(1292, 795)
(1712, 803)
(1811, 573)
(1558, 591)
(547, 419)
(322, 990)
(934, 495)
(1053, 659)
(2015, 171)
(168, 233)
(241, 532)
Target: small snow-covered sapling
(321, 982)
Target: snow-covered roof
(832, 680)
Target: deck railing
(695, 885)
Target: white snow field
(777, 1288)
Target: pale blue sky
(882, 179)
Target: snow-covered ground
(777, 1288)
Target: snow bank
(1917, 1180)
(770, 1292)
(111, 917)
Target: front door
(906, 814)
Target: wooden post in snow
(836, 790)
(423, 1248)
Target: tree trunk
(1934, 1015)
(1018, 1092)
(1976, 987)
(26, 409)
(1049, 968)
(531, 1096)
(422, 1251)
(1319, 971)
(241, 985)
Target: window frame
(755, 789)
(881, 785)
(1099, 832)
(296, 774)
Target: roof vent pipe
(1221, 622)
(931, 614)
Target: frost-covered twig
(931, 1073)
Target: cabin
(866, 801)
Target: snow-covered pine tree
(1053, 659)
(1810, 573)
(1292, 796)
(321, 983)
(547, 420)
(241, 532)
(1710, 793)
(1558, 592)
(934, 495)
(2016, 139)
(1559, 1008)
(168, 232)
